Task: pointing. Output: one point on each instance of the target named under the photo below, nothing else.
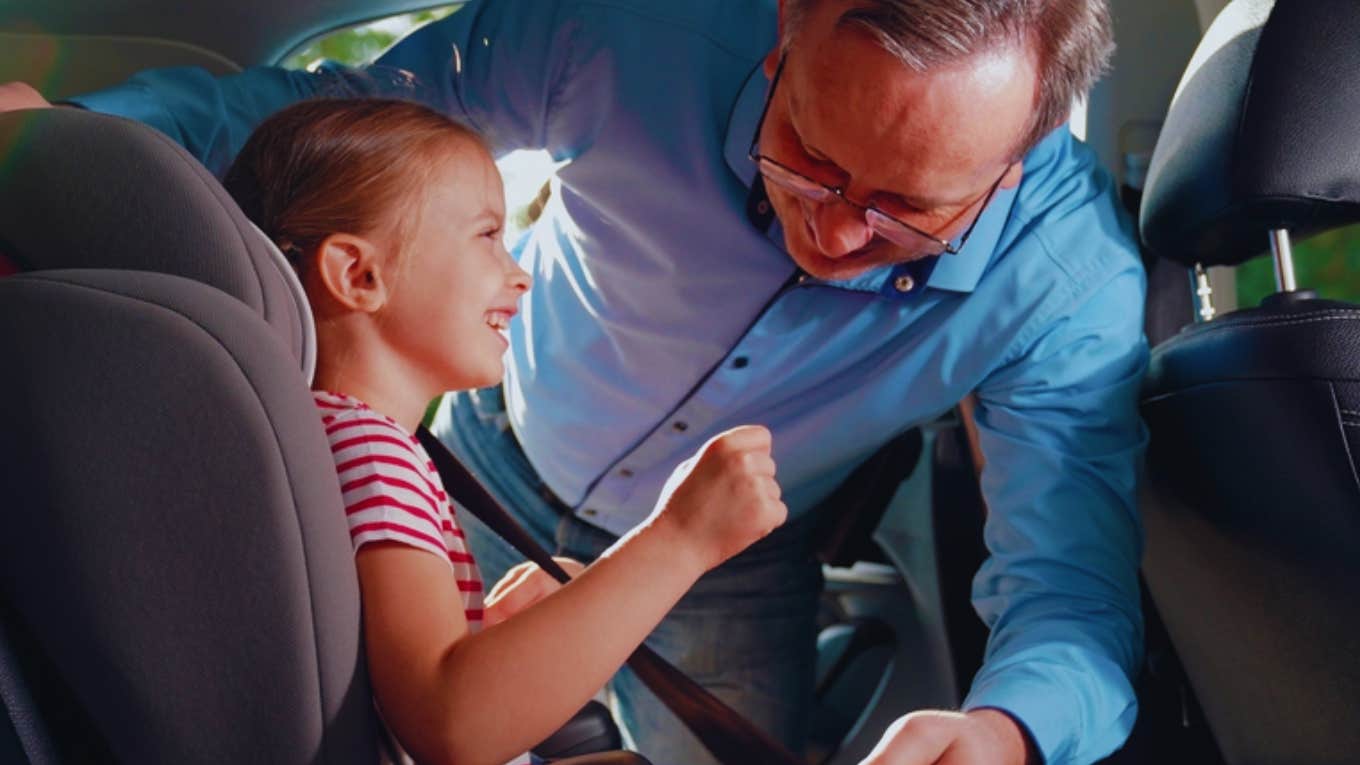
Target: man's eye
(900, 208)
(492, 233)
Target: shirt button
(590, 511)
(763, 207)
(625, 473)
(740, 362)
(680, 427)
(904, 283)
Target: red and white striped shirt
(392, 492)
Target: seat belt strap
(731, 738)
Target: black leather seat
(1252, 501)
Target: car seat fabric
(80, 190)
(1252, 489)
(176, 578)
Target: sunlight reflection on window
(524, 172)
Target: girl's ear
(350, 271)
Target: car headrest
(85, 190)
(1261, 133)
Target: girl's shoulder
(350, 422)
(344, 408)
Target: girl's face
(456, 288)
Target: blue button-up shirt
(662, 314)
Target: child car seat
(177, 584)
(176, 578)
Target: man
(839, 233)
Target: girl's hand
(523, 586)
(724, 498)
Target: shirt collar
(956, 273)
(741, 125)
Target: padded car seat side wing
(174, 539)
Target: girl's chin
(468, 379)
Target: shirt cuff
(1069, 726)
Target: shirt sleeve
(523, 73)
(499, 65)
(387, 494)
(212, 117)
(1062, 438)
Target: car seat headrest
(85, 190)
(1260, 134)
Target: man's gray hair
(1071, 39)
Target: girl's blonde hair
(328, 166)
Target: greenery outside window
(1328, 263)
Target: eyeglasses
(897, 231)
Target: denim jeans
(746, 630)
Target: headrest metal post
(1203, 293)
(1284, 260)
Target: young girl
(392, 215)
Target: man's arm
(210, 116)
(1062, 439)
(503, 88)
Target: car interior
(201, 605)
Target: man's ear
(771, 63)
(1012, 177)
(350, 271)
(772, 58)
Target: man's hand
(20, 95)
(523, 586)
(979, 737)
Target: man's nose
(839, 228)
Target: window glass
(361, 44)
(1328, 263)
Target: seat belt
(731, 738)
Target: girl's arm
(454, 697)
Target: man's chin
(819, 266)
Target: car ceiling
(244, 31)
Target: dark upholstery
(76, 192)
(1251, 500)
(1261, 134)
(176, 579)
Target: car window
(526, 173)
(361, 44)
(1328, 263)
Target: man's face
(923, 148)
